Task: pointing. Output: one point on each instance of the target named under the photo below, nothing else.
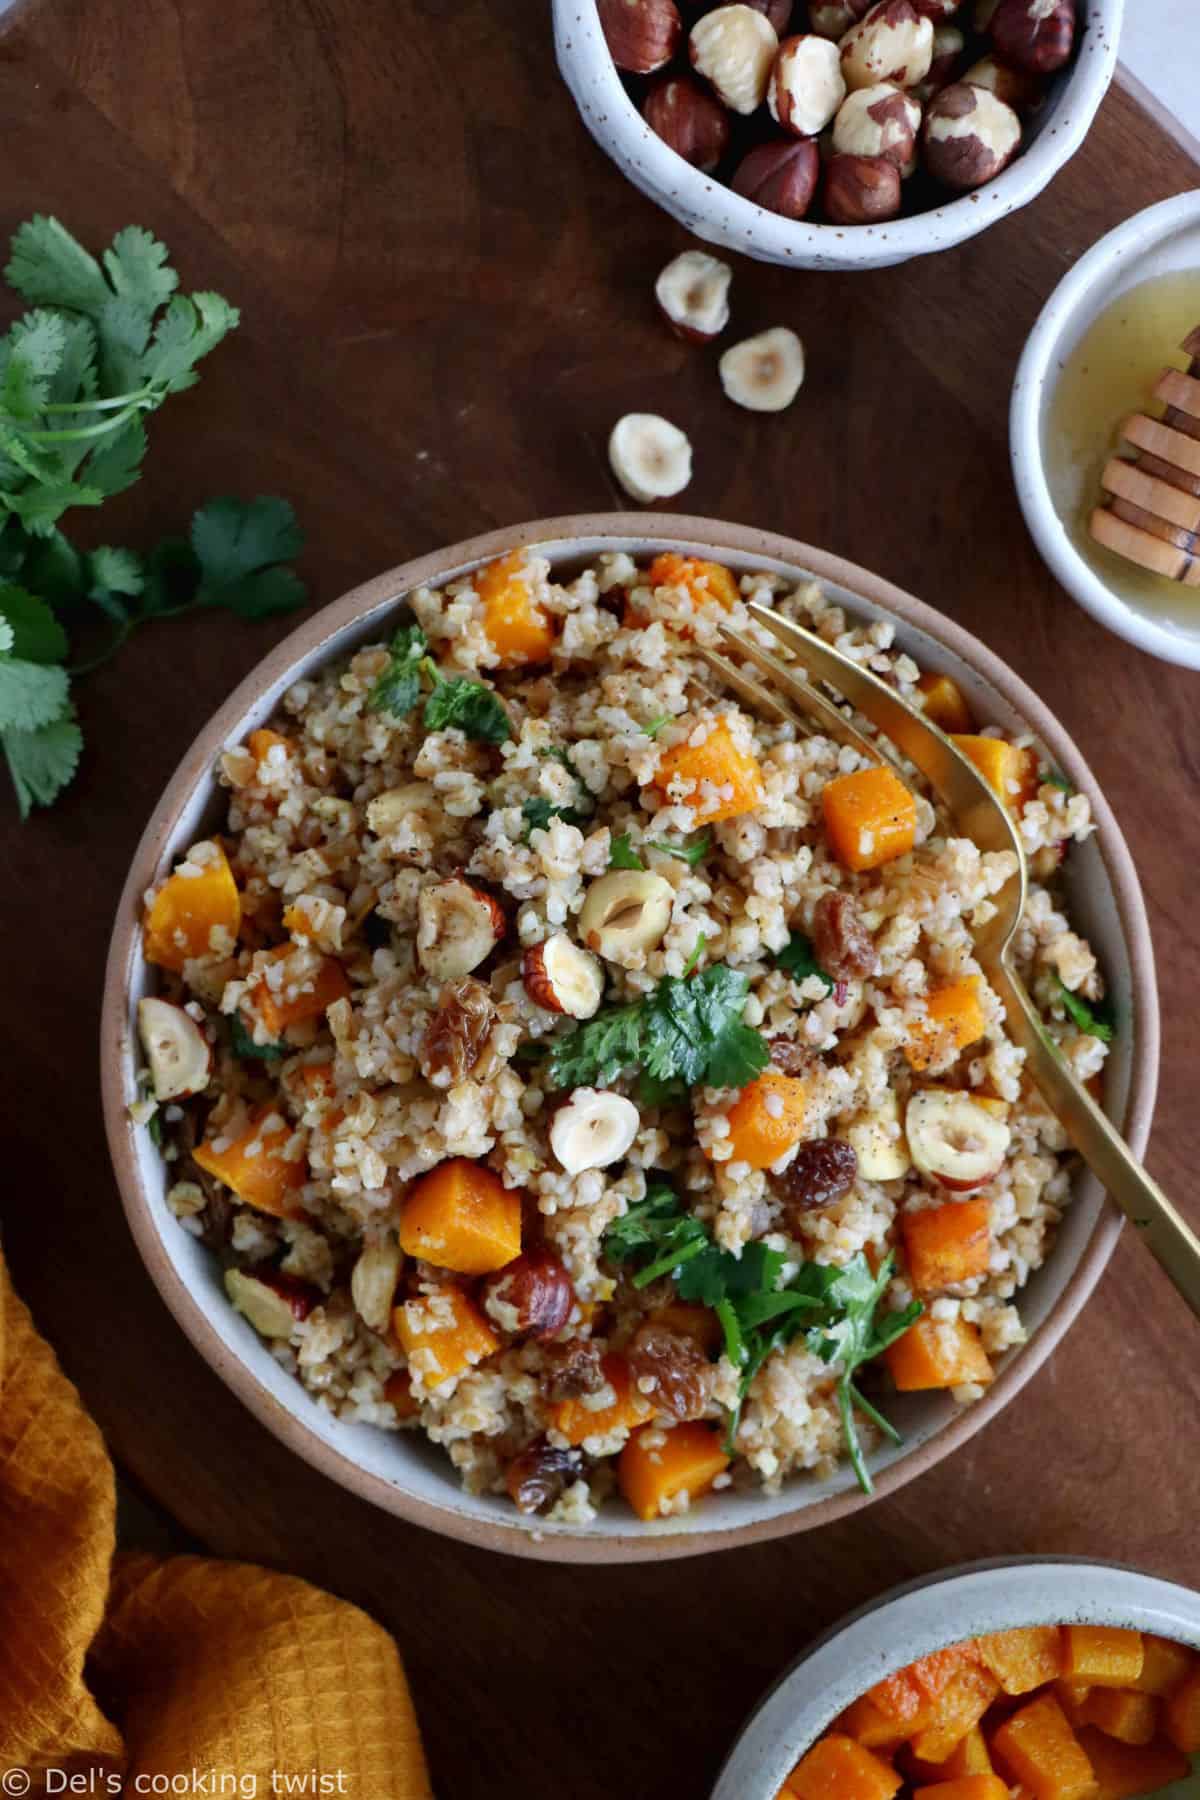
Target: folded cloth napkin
(174, 1675)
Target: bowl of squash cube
(227, 1092)
(1061, 1680)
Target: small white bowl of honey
(1105, 431)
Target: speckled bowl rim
(309, 645)
(714, 212)
(1039, 369)
(929, 1614)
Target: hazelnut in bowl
(838, 133)
(562, 1103)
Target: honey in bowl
(1051, 1712)
(1110, 375)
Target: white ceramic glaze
(715, 213)
(403, 1472)
(1163, 239)
(928, 1615)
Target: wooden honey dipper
(1152, 513)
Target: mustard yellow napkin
(193, 1668)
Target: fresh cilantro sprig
(622, 854)
(686, 1030)
(837, 1309)
(244, 1046)
(455, 700)
(105, 345)
(539, 810)
(797, 960)
(1088, 1018)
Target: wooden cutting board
(446, 302)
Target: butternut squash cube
(837, 1768)
(967, 1787)
(442, 1335)
(871, 1727)
(519, 630)
(1023, 1659)
(461, 1216)
(657, 1466)
(1120, 1714)
(947, 1244)
(254, 1166)
(1164, 1664)
(944, 702)
(717, 779)
(1124, 1771)
(1181, 1715)
(938, 1353)
(1038, 1747)
(1012, 772)
(305, 992)
(576, 1420)
(1102, 1655)
(196, 912)
(954, 1018)
(767, 1118)
(968, 1757)
(870, 818)
(957, 1711)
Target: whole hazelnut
(879, 121)
(833, 18)
(891, 43)
(861, 190)
(778, 11)
(1037, 35)
(642, 35)
(781, 176)
(1016, 87)
(806, 84)
(688, 118)
(948, 46)
(970, 136)
(734, 48)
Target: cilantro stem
(123, 631)
(850, 1433)
(876, 1417)
(79, 433)
(110, 405)
(735, 1343)
(666, 1264)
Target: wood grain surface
(446, 303)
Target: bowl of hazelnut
(838, 133)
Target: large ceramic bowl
(719, 216)
(929, 1615)
(401, 1472)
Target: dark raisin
(541, 1475)
(377, 933)
(457, 1033)
(530, 1297)
(677, 1368)
(789, 1056)
(818, 1175)
(841, 942)
(574, 1369)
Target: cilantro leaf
(236, 538)
(694, 1029)
(31, 694)
(187, 331)
(116, 463)
(52, 268)
(42, 762)
(35, 635)
(691, 854)
(797, 960)
(33, 353)
(856, 1335)
(244, 1046)
(136, 265)
(599, 1049)
(1086, 1017)
(622, 854)
(399, 687)
(539, 811)
(470, 706)
(655, 726)
(1056, 780)
(115, 571)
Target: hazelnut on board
(781, 176)
(879, 121)
(861, 190)
(970, 136)
(689, 119)
(693, 295)
(1037, 35)
(642, 35)
(734, 48)
(806, 84)
(891, 43)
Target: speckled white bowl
(928, 1615)
(1159, 241)
(719, 216)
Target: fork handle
(1161, 1227)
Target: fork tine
(809, 699)
(757, 697)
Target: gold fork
(979, 813)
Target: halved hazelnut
(877, 1139)
(780, 176)
(861, 190)
(642, 35)
(1037, 35)
(955, 1139)
(177, 1051)
(458, 926)
(650, 457)
(733, 47)
(373, 1282)
(806, 86)
(879, 121)
(389, 810)
(693, 295)
(1016, 87)
(689, 119)
(970, 136)
(833, 18)
(563, 978)
(626, 913)
(764, 373)
(891, 43)
(274, 1303)
(594, 1128)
